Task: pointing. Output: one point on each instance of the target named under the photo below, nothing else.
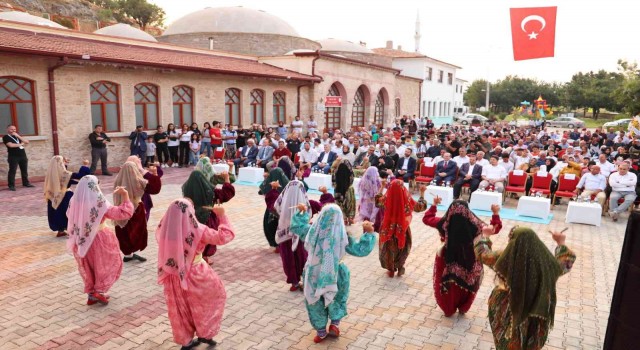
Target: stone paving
(42, 305)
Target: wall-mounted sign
(333, 101)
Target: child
(326, 277)
(151, 151)
(195, 148)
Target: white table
(251, 174)
(446, 193)
(483, 200)
(220, 168)
(537, 207)
(584, 213)
(315, 180)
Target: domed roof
(18, 16)
(230, 20)
(342, 46)
(125, 31)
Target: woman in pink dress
(92, 243)
(195, 294)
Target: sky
(476, 35)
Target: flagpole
(486, 101)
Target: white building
(439, 85)
(458, 101)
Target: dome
(230, 20)
(18, 16)
(337, 45)
(125, 31)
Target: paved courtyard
(42, 304)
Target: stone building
(56, 84)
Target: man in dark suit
(248, 154)
(446, 169)
(138, 142)
(470, 173)
(325, 160)
(265, 153)
(406, 167)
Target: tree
(593, 90)
(142, 12)
(627, 94)
(475, 96)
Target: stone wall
(247, 43)
(408, 90)
(74, 107)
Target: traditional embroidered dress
(132, 232)
(326, 277)
(57, 192)
(270, 219)
(457, 274)
(343, 190)
(199, 189)
(522, 306)
(368, 188)
(92, 243)
(293, 255)
(194, 293)
(395, 233)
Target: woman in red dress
(457, 274)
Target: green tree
(475, 94)
(142, 12)
(593, 90)
(627, 95)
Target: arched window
(279, 106)
(397, 108)
(182, 105)
(18, 105)
(105, 105)
(146, 99)
(378, 116)
(357, 115)
(333, 114)
(257, 106)
(232, 106)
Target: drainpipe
(52, 103)
(313, 73)
(420, 100)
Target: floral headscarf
(131, 179)
(205, 167)
(398, 208)
(292, 195)
(56, 181)
(276, 174)
(326, 244)
(86, 210)
(178, 235)
(368, 188)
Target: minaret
(417, 36)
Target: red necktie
(445, 164)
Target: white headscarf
(56, 181)
(292, 195)
(86, 210)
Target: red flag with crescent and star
(533, 32)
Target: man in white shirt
(522, 157)
(493, 175)
(593, 183)
(480, 159)
(623, 185)
(606, 168)
(308, 155)
(318, 146)
(506, 163)
(312, 125)
(461, 158)
(296, 125)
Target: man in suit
(138, 142)
(325, 160)
(406, 167)
(446, 169)
(470, 173)
(248, 154)
(265, 153)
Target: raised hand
(423, 188)
(85, 162)
(488, 230)
(437, 200)
(302, 208)
(495, 208)
(123, 192)
(558, 236)
(367, 227)
(219, 211)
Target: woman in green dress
(522, 305)
(326, 277)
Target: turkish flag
(533, 32)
